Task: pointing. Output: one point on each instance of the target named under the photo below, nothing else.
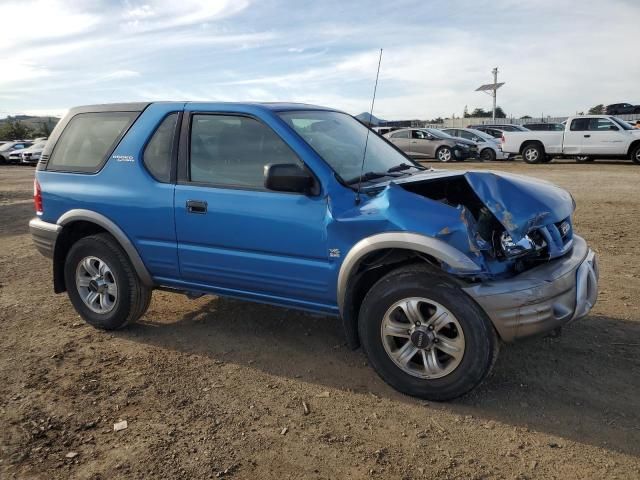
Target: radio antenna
(366, 140)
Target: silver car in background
(489, 147)
(31, 155)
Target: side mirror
(287, 177)
(613, 127)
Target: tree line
(17, 130)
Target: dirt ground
(214, 388)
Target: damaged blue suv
(427, 269)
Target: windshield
(339, 139)
(622, 123)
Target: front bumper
(460, 154)
(543, 298)
(44, 236)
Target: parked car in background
(497, 130)
(621, 109)
(493, 131)
(489, 147)
(505, 127)
(431, 143)
(427, 269)
(10, 147)
(31, 155)
(383, 130)
(585, 138)
(541, 127)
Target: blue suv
(427, 269)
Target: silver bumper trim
(44, 235)
(543, 298)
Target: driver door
(236, 236)
(603, 137)
(422, 144)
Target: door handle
(414, 141)
(587, 136)
(196, 206)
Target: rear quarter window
(88, 140)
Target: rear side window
(157, 155)
(579, 124)
(88, 139)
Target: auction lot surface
(215, 388)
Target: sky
(557, 57)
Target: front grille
(558, 236)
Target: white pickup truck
(585, 138)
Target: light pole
(491, 89)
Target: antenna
(366, 140)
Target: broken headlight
(515, 249)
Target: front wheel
(444, 154)
(488, 155)
(532, 153)
(102, 283)
(424, 336)
(635, 155)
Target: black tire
(584, 159)
(635, 154)
(443, 156)
(133, 297)
(533, 153)
(547, 159)
(480, 340)
(488, 155)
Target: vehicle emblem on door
(123, 158)
(334, 252)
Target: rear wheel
(488, 155)
(444, 154)
(424, 336)
(635, 155)
(533, 153)
(102, 283)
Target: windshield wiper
(368, 176)
(401, 167)
(392, 172)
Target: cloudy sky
(556, 56)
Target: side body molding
(93, 217)
(408, 241)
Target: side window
(601, 125)
(419, 134)
(87, 140)
(579, 124)
(157, 154)
(467, 135)
(403, 134)
(232, 151)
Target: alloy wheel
(444, 155)
(531, 155)
(422, 338)
(96, 285)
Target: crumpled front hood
(519, 203)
